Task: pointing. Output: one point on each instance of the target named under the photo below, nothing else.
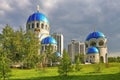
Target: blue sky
(75, 19)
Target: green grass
(87, 73)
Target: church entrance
(101, 59)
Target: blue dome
(37, 16)
(95, 35)
(49, 40)
(57, 54)
(92, 50)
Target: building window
(101, 43)
(46, 27)
(42, 26)
(93, 43)
(86, 45)
(43, 48)
(90, 56)
(32, 25)
(37, 25)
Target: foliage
(21, 48)
(77, 64)
(4, 66)
(80, 56)
(5, 45)
(48, 55)
(17, 48)
(31, 50)
(65, 64)
(114, 59)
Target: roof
(48, 40)
(37, 16)
(92, 50)
(95, 35)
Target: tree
(31, 52)
(113, 59)
(5, 45)
(48, 55)
(65, 64)
(77, 64)
(80, 56)
(17, 48)
(4, 64)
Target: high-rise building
(74, 48)
(59, 38)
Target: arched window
(32, 25)
(37, 25)
(101, 59)
(93, 43)
(46, 27)
(86, 45)
(42, 26)
(101, 43)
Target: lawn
(87, 72)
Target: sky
(75, 19)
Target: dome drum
(100, 42)
(37, 25)
(92, 58)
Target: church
(95, 43)
(96, 48)
(39, 24)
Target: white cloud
(9, 5)
(50, 5)
(114, 54)
(4, 5)
(23, 4)
(12, 5)
(1, 13)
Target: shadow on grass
(81, 77)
